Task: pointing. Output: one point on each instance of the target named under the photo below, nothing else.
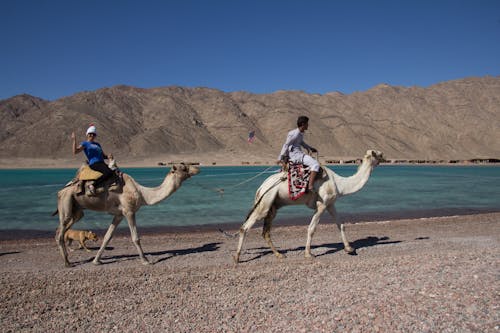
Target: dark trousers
(104, 169)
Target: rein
(222, 190)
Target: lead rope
(221, 190)
(252, 178)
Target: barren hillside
(452, 120)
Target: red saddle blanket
(298, 179)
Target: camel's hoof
(309, 255)
(147, 262)
(236, 259)
(280, 256)
(350, 251)
(68, 265)
(97, 262)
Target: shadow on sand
(333, 247)
(164, 255)
(6, 253)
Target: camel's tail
(55, 213)
(259, 198)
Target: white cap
(91, 129)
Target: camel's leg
(116, 221)
(135, 237)
(68, 245)
(63, 222)
(320, 208)
(259, 212)
(243, 231)
(333, 212)
(67, 217)
(266, 232)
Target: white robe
(293, 146)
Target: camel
(124, 203)
(273, 194)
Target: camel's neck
(354, 183)
(152, 196)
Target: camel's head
(185, 170)
(374, 156)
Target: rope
(221, 190)
(214, 189)
(251, 178)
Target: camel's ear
(174, 168)
(373, 153)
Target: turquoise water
(28, 197)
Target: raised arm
(76, 149)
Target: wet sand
(436, 274)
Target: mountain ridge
(456, 119)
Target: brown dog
(80, 236)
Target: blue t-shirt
(93, 151)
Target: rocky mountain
(457, 119)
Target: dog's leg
(82, 244)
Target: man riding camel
(292, 150)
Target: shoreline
(233, 227)
(221, 160)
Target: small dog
(81, 236)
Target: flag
(251, 136)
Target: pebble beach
(419, 275)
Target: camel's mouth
(377, 156)
(193, 170)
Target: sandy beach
(421, 275)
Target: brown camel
(119, 204)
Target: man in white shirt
(292, 149)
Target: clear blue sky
(52, 49)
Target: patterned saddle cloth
(298, 179)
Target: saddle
(86, 176)
(298, 179)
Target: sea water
(221, 195)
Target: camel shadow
(333, 247)
(6, 253)
(164, 255)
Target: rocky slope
(451, 120)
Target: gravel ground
(425, 275)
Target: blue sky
(52, 49)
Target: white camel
(124, 203)
(273, 194)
